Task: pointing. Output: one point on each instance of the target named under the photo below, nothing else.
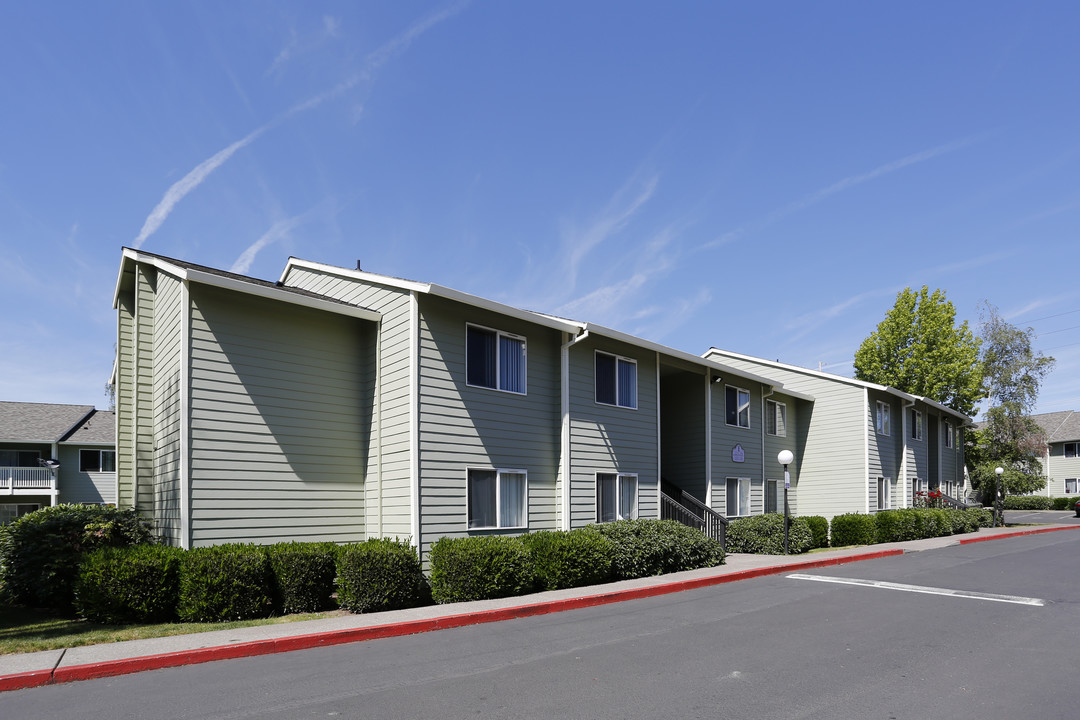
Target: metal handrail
(700, 517)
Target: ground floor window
(771, 493)
(497, 498)
(10, 511)
(616, 497)
(738, 497)
(97, 461)
(884, 499)
(1070, 486)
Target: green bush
(958, 521)
(303, 575)
(479, 568)
(137, 584)
(935, 523)
(380, 574)
(569, 559)
(898, 525)
(764, 535)
(1027, 502)
(654, 547)
(40, 552)
(1064, 503)
(225, 582)
(819, 529)
(980, 517)
(853, 529)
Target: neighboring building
(341, 405)
(53, 454)
(1061, 463)
(865, 447)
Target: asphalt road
(773, 647)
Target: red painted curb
(1016, 533)
(338, 637)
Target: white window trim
(884, 499)
(950, 441)
(618, 359)
(1076, 485)
(618, 493)
(749, 497)
(776, 405)
(498, 359)
(884, 410)
(100, 454)
(749, 397)
(917, 427)
(498, 498)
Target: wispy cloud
(278, 231)
(809, 322)
(302, 45)
(846, 184)
(375, 60)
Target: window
(883, 499)
(616, 497)
(738, 497)
(738, 407)
(496, 499)
(616, 380)
(19, 458)
(918, 485)
(948, 434)
(883, 424)
(1070, 449)
(771, 493)
(776, 418)
(494, 360)
(916, 424)
(1070, 486)
(11, 511)
(97, 461)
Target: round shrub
(819, 530)
(1063, 503)
(137, 584)
(380, 574)
(225, 582)
(853, 529)
(1027, 502)
(40, 552)
(479, 568)
(654, 547)
(980, 517)
(898, 525)
(569, 559)
(303, 575)
(764, 535)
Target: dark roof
(40, 422)
(98, 427)
(1059, 426)
(248, 279)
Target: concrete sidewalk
(93, 661)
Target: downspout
(378, 426)
(907, 405)
(708, 437)
(659, 445)
(564, 361)
(414, 420)
(866, 450)
(764, 424)
(185, 417)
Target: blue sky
(762, 177)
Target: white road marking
(1015, 599)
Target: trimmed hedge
(764, 535)
(899, 525)
(853, 529)
(654, 547)
(1028, 502)
(575, 558)
(136, 584)
(303, 575)
(819, 529)
(480, 567)
(380, 574)
(225, 582)
(979, 517)
(40, 552)
(1064, 503)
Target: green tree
(1012, 376)
(919, 348)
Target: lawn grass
(24, 630)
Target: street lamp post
(999, 509)
(784, 458)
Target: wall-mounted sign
(738, 454)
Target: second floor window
(1070, 449)
(616, 380)
(738, 407)
(97, 461)
(884, 426)
(776, 420)
(494, 359)
(949, 440)
(916, 425)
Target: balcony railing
(27, 478)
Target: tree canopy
(919, 348)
